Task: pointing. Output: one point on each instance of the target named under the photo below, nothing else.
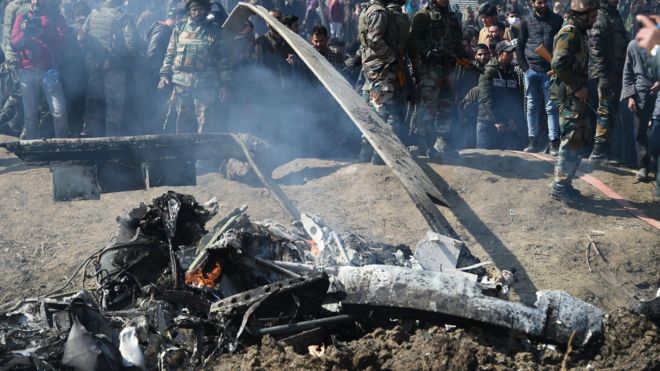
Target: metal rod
(272, 187)
(276, 268)
(305, 325)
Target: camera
(31, 25)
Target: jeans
(538, 90)
(32, 85)
(336, 29)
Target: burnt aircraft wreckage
(168, 294)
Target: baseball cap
(504, 46)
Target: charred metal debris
(168, 294)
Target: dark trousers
(487, 136)
(641, 120)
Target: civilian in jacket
(500, 101)
(538, 28)
(639, 91)
(38, 36)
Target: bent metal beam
(419, 187)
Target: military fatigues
(434, 29)
(378, 32)
(198, 68)
(403, 32)
(570, 62)
(609, 40)
(110, 40)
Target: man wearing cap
(500, 101)
(111, 41)
(197, 67)
(570, 61)
(609, 41)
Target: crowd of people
(569, 78)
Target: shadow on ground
(498, 252)
(503, 166)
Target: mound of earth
(631, 343)
(500, 208)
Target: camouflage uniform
(609, 40)
(378, 38)
(110, 39)
(570, 62)
(433, 29)
(403, 31)
(378, 33)
(198, 68)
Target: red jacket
(42, 50)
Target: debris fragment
(304, 284)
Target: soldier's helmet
(584, 6)
(206, 4)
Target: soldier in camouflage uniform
(110, 40)
(197, 66)
(403, 30)
(378, 33)
(435, 33)
(609, 41)
(569, 87)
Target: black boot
(554, 147)
(601, 154)
(533, 145)
(563, 191)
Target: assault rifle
(544, 53)
(437, 52)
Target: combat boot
(642, 174)
(563, 191)
(533, 146)
(554, 147)
(602, 155)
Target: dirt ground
(500, 208)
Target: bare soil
(500, 207)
